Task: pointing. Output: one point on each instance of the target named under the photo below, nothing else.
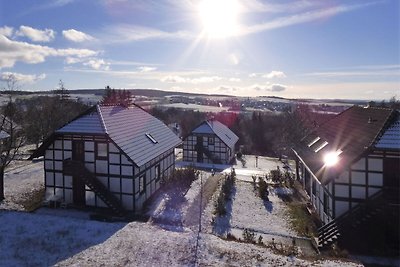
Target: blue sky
(288, 48)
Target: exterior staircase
(201, 149)
(78, 169)
(352, 219)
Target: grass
(301, 221)
(32, 200)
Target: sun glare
(219, 17)
(332, 158)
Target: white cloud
(234, 59)
(301, 18)
(180, 79)
(23, 78)
(13, 51)
(36, 35)
(146, 68)
(6, 31)
(173, 79)
(73, 60)
(130, 33)
(277, 88)
(253, 75)
(269, 87)
(234, 80)
(275, 74)
(97, 64)
(76, 36)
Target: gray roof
(140, 135)
(391, 137)
(89, 123)
(133, 129)
(223, 132)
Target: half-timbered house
(350, 169)
(111, 156)
(210, 142)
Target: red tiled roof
(353, 132)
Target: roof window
(152, 139)
(314, 141)
(324, 144)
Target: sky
(345, 49)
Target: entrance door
(199, 147)
(78, 186)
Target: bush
(276, 175)
(249, 236)
(183, 177)
(263, 189)
(225, 193)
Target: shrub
(263, 189)
(225, 193)
(183, 176)
(249, 236)
(276, 175)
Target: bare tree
(12, 138)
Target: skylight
(321, 146)
(152, 139)
(314, 141)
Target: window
(152, 139)
(101, 151)
(314, 141)
(324, 144)
(210, 140)
(142, 184)
(158, 175)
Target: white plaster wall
(375, 179)
(375, 164)
(358, 192)
(127, 186)
(358, 177)
(115, 185)
(127, 202)
(90, 198)
(49, 179)
(68, 181)
(341, 207)
(341, 190)
(359, 165)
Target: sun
(219, 17)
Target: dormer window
(152, 139)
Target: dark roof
(219, 129)
(138, 134)
(350, 133)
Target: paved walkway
(200, 202)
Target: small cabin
(210, 142)
(111, 156)
(350, 169)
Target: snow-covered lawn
(248, 210)
(28, 239)
(67, 238)
(21, 179)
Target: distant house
(350, 168)
(210, 142)
(110, 156)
